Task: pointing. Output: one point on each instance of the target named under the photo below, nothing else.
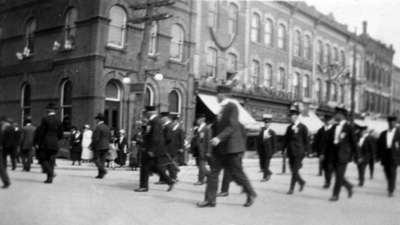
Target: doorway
(112, 109)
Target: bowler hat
(327, 117)
(392, 118)
(100, 116)
(150, 108)
(174, 115)
(165, 113)
(267, 117)
(341, 109)
(51, 106)
(223, 89)
(294, 110)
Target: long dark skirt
(121, 158)
(76, 153)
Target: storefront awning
(311, 121)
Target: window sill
(116, 48)
(176, 61)
(153, 56)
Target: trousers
(340, 171)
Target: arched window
(66, 100)
(233, 19)
(117, 28)
(149, 98)
(296, 85)
(342, 93)
(297, 43)
(306, 86)
(174, 102)
(255, 70)
(320, 52)
(70, 28)
(30, 37)
(343, 58)
(26, 105)
(268, 32)
(232, 62)
(327, 90)
(113, 92)
(177, 40)
(336, 54)
(211, 62)
(307, 47)
(282, 36)
(367, 71)
(373, 73)
(281, 79)
(255, 27)
(153, 39)
(318, 90)
(213, 14)
(334, 92)
(327, 58)
(268, 75)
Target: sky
(383, 17)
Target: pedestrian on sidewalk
(27, 142)
(3, 169)
(266, 147)
(100, 145)
(51, 133)
(122, 148)
(87, 153)
(389, 153)
(11, 143)
(296, 143)
(76, 145)
(228, 140)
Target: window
(113, 92)
(255, 71)
(342, 93)
(177, 40)
(307, 47)
(281, 79)
(233, 19)
(174, 102)
(327, 90)
(153, 39)
(319, 90)
(372, 72)
(117, 28)
(232, 62)
(29, 37)
(367, 71)
(70, 28)
(306, 86)
(296, 85)
(211, 62)
(66, 100)
(26, 105)
(336, 55)
(282, 36)
(334, 92)
(255, 28)
(320, 53)
(149, 98)
(213, 14)
(268, 32)
(343, 58)
(297, 43)
(327, 57)
(267, 75)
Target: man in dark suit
(201, 148)
(266, 146)
(11, 142)
(153, 157)
(296, 144)
(177, 145)
(389, 153)
(51, 133)
(228, 140)
(3, 169)
(323, 145)
(345, 149)
(100, 145)
(366, 148)
(27, 141)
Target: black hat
(165, 113)
(51, 106)
(392, 118)
(223, 89)
(100, 116)
(294, 110)
(267, 117)
(327, 117)
(341, 109)
(150, 108)
(362, 127)
(174, 115)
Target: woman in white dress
(87, 154)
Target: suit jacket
(178, 140)
(11, 137)
(201, 142)
(101, 137)
(389, 156)
(323, 142)
(153, 137)
(168, 139)
(346, 149)
(269, 145)
(230, 131)
(367, 149)
(296, 141)
(28, 135)
(51, 132)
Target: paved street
(77, 199)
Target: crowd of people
(217, 144)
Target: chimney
(365, 25)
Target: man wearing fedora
(389, 153)
(296, 144)
(153, 157)
(229, 142)
(176, 151)
(3, 169)
(100, 145)
(345, 149)
(366, 148)
(266, 147)
(50, 133)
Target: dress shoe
(302, 186)
(205, 204)
(6, 185)
(141, 190)
(390, 194)
(170, 187)
(334, 199)
(290, 192)
(48, 181)
(326, 186)
(250, 200)
(199, 183)
(223, 194)
(360, 184)
(350, 192)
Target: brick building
(395, 90)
